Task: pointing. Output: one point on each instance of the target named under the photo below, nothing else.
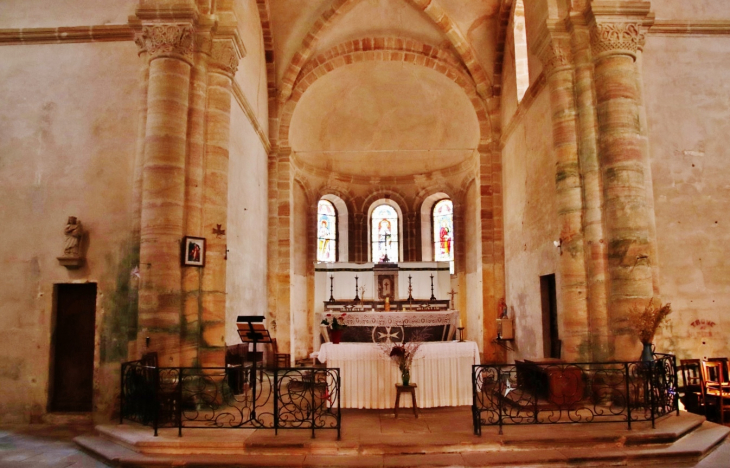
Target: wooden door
(73, 348)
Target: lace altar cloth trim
(400, 319)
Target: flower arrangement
(647, 321)
(402, 354)
(334, 321)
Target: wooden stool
(400, 388)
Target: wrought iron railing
(533, 393)
(231, 397)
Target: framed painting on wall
(193, 251)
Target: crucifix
(452, 293)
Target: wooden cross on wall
(452, 293)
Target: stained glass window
(443, 232)
(326, 232)
(384, 234)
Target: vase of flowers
(646, 323)
(402, 355)
(405, 376)
(335, 323)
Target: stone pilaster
(412, 236)
(459, 236)
(170, 50)
(614, 43)
(358, 237)
(556, 56)
(224, 57)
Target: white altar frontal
(442, 371)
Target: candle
(460, 324)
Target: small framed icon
(193, 251)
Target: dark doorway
(73, 347)
(551, 340)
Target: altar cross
(452, 293)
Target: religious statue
(74, 232)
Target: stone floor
(52, 445)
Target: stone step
(677, 441)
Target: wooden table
(400, 388)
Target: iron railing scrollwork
(222, 397)
(534, 393)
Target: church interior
(536, 171)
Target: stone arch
(391, 50)
(384, 193)
(430, 7)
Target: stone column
(623, 161)
(593, 230)
(224, 58)
(170, 50)
(574, 334)
(194, 184)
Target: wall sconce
(559, 244)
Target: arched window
(384, 234)
(520, 37)
(443, 232)
(326, 232)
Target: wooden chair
(716, 388)
(694, 385)
(723, 361)
(279, 360)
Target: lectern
(251, 329)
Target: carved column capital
(225, 56)
(166, 40)
(617, 38)
(556, 55)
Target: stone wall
(530, 225)
(686, 94)
(67, 148)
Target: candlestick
(461, 334)
(433, 298)
(332, 283)
(410, 289)
(357, 297)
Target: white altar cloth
(442, 371)
(429, 318)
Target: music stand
(251, 329)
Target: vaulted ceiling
(384, 87)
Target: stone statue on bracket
(74, 233)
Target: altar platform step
(439, 437)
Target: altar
(442, 371)
(373, 326)
(416, 293)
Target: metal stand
(251, 329)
